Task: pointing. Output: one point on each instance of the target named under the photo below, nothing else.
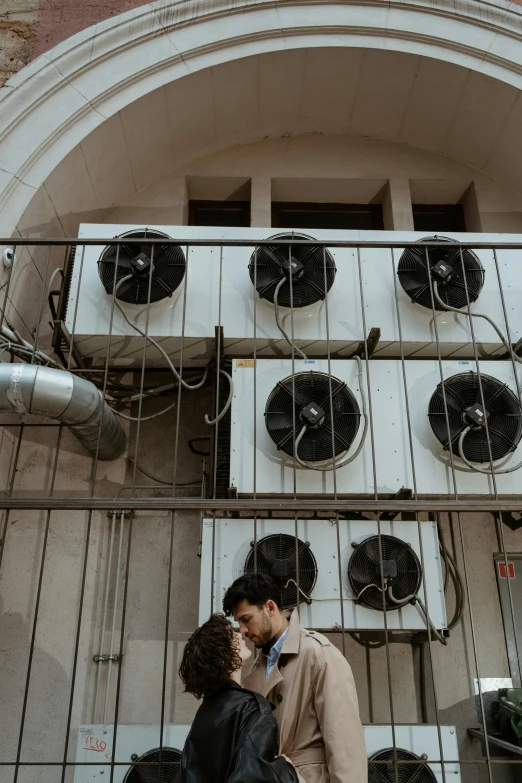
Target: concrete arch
(53, 103)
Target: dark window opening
(365, 217)
(219, 213)
(438, 217)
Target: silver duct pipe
(58, 394)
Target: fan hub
(442, 271)
(388, 569)
(293, 267)
(312, 415)
(476, 416)
(141, 264)
(282, 569)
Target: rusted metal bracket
(366, 347)
(404, 493)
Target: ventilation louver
(278, 556)
(134, 261)
(304, 400)
(151, 772)
(452, 272)
(400, 568)
(392, 771)
(309, 268)
(496, 406)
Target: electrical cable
(486, 471)
(228, 402)
(452, 570)
(422, 675)
(356, 453)
(507, 346)
(278, 320)
(414, 599)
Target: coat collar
(257, 678)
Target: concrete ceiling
(413, 100)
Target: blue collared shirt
(273, 655)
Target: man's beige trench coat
(316, 707)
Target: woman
(233, 738)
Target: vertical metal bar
(441, 373)
(76, 304)
(294, 466)
(374, 468)
(104, 619)
(255, 405)
(118, 681)
(7, 287)
(77, 643)
(180, 385)
(33, 632)
(42, 299)
(10, 492)
(142, 376)
(475, 654)
(165, 652)
(114, 614)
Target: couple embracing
(299, 700)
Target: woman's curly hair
(210, 657)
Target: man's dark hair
(209, 658)
(257, 589)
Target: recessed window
(438, 217)
(365, 217)
(219, 213)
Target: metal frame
(406, 503)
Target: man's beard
(265, 635)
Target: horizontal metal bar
(257, 505)
(84, 241)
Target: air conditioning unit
(271, 547)
(317, 281)
(399, 294)
(412, 743)
(183, 294)
(133, 743)
(265, 436)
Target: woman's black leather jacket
(233, 739)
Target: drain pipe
(58, 394)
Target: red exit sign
(502, 572)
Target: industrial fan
(390, 769)
(151, 772)
(308, 272)
(134, 261)
(459, 274)
(469, 406)
(399, 569)
(284, 557)
(323, 405)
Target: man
(309, 681)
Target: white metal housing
(245, 316)
(431, 474)
(234, 539)
(95, 743)
(421, 740)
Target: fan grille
(364, 569)
(413, 274)
(268, 266)
(341, 418)
(170, 758)
(278, 556)
(398, 773)
(503, 410)
(168, 272)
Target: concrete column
(471, 210)
(396, 206)
(180, 199)
(261, 201)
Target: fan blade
(336, 388)
(292, 393)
